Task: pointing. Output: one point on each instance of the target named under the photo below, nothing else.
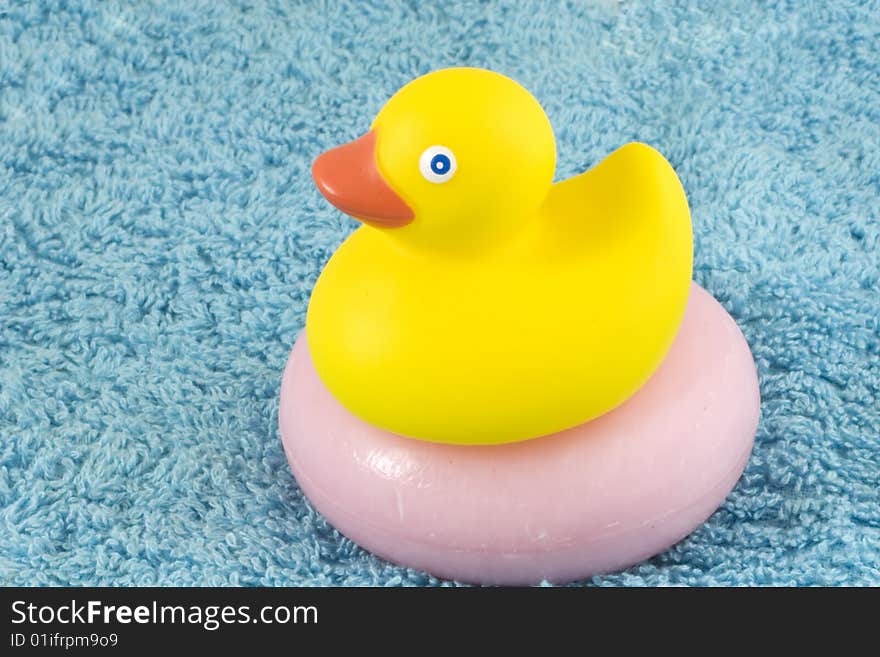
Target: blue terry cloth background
(160, 236)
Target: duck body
(555, 324)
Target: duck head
(457, 158)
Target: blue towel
(160, 235)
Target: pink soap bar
(592, 499)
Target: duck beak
(348, 176)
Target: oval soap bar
(588, 500)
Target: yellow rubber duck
(481, 303)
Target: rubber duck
(481, 303)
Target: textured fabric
(160, 235)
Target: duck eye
(437, 164)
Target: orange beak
(349, 178)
